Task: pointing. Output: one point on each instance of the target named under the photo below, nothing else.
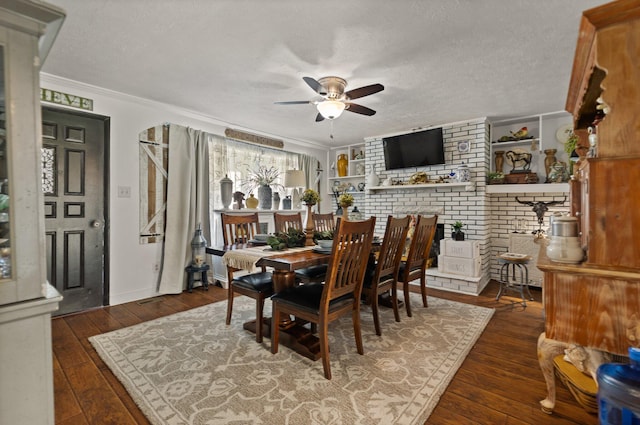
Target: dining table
(248, 256)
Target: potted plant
(496, 177)
(345, 200)
(289, 239)
(310, 197)
(265, 180)
(456, 231)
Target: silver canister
(564, 226)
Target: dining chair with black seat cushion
(415, 265)
(284, 222)
(340, 294)
(323, 222)
(383, 276)
(259, 286)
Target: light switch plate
(124, 191)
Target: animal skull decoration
(540, 208)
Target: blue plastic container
(619, 391)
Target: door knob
(96, 223)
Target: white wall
(131, 274)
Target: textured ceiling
(440, 61)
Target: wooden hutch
(596, 303)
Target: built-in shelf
(528, 188)
(469, 186)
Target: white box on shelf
(462, 266)
(460, 249)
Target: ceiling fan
(334, 99)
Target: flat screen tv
(414, 149)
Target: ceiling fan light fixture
(331, 109)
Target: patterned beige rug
(189, 368)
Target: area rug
(190, 368)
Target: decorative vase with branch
(265, 180)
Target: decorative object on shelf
(286, 203)
(499, 161)
(419, 178)
(339, 211)
(265, 180)
(294, 179)
(558, 173)
(252, 202)
(343, 163)
(265, 197)
(387, 182)
(463, 174)
(456, 231)
(357, 155)
(372, 178)
(361, 186)
(496, 177)
(198, 245)
(355, 214)
(522, 134)
(359, 169)
(549, 160)
(463, 146)
(540, 208)
(238, 198)
(519, 160)
(276, 200)
(226, 189)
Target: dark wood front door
(73, 179)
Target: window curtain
(187, 203)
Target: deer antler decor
(540, 208)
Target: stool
(192, 270)
(514, 275)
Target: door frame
(107, 184)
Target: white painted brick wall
(487, 217)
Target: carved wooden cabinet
(597, 303)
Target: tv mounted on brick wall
(414, 149)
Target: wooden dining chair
(323, 222)
(259, 286)
(415, 265)
(339, 295)
(284, 222)
(384, 275)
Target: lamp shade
(331, 109)
(294, 178)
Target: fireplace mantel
(468, 186)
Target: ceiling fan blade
(316, 86)
(359, 109)
(293, 102)
(364, 91)
(319, 117)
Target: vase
(276, 201)
(226, 187)
(343, 163)
(499, 161)
(339, 211)
(252, 202)
(373, 179)
(286, 203)
(265, 197)
(549, 160)
(463, 174)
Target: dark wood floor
(499, 382)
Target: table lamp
(295, 179)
